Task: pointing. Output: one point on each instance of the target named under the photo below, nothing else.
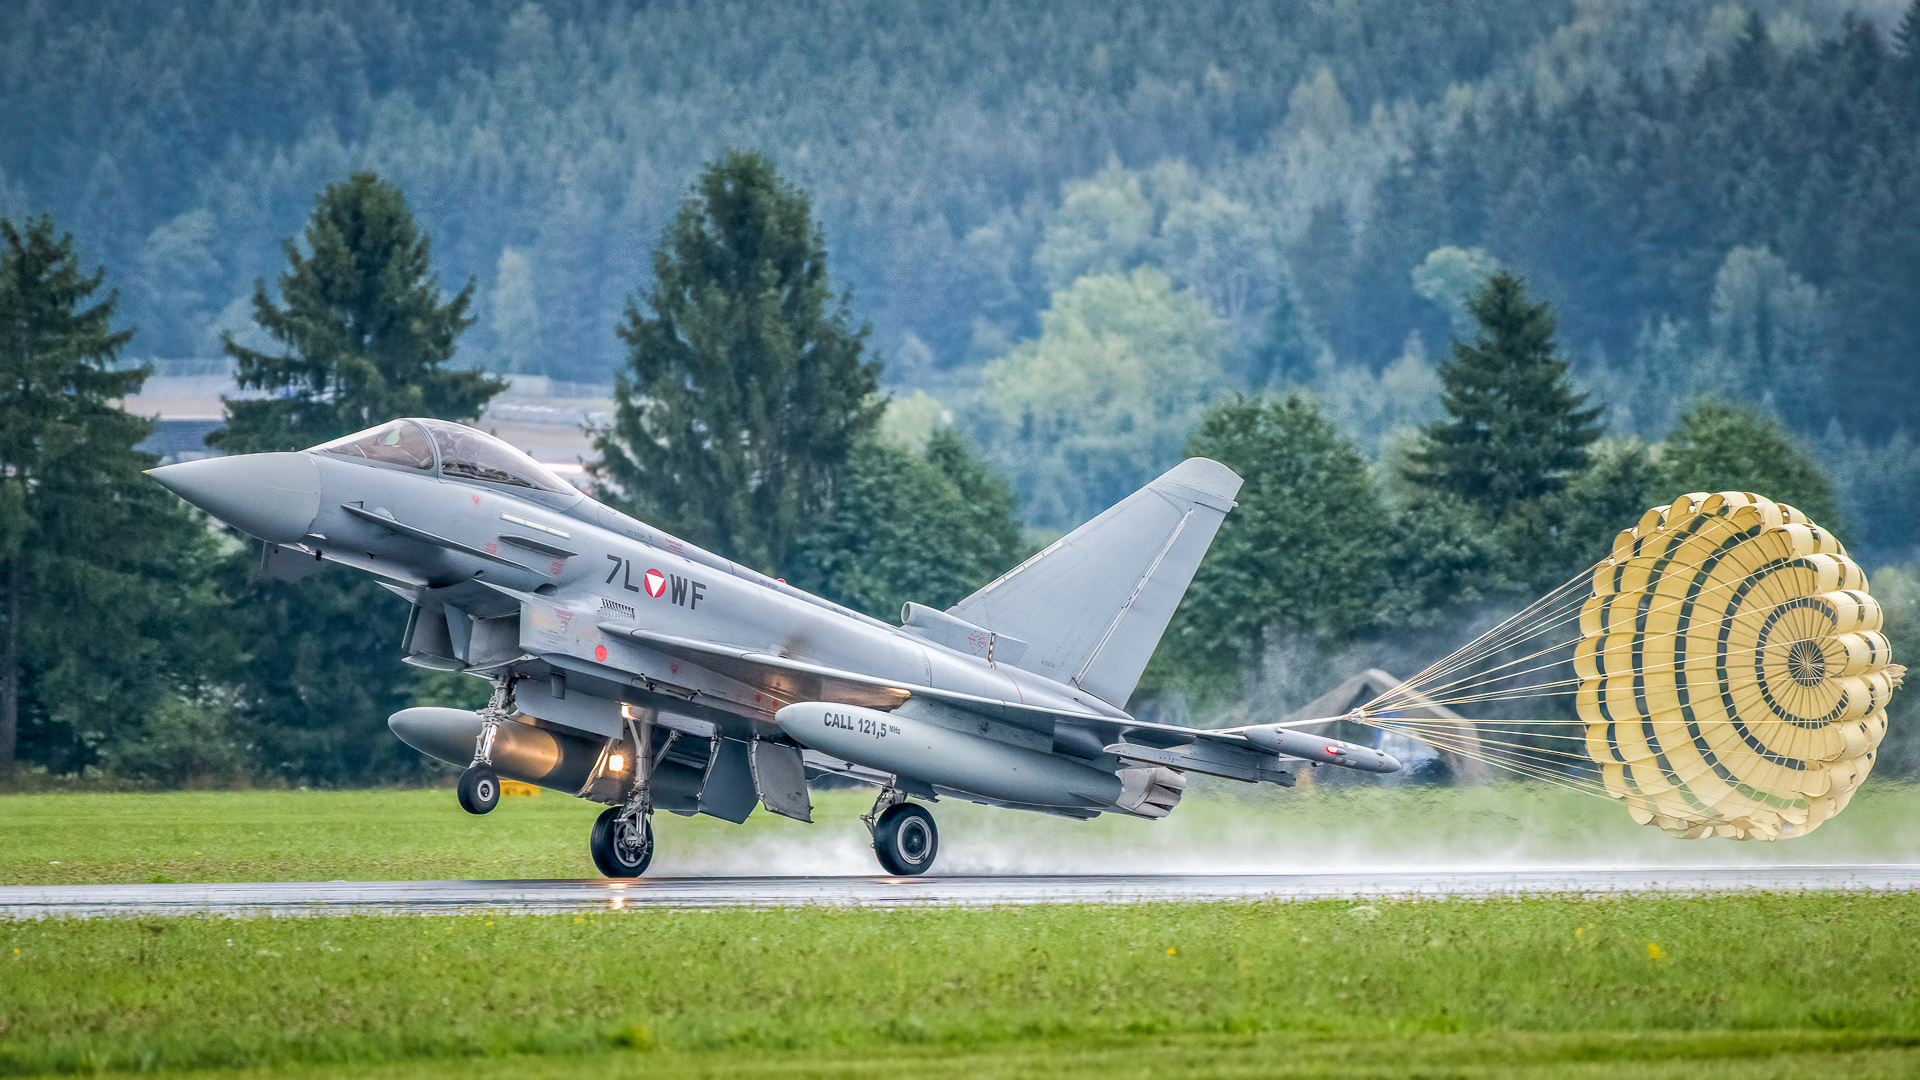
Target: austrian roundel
(656, 583)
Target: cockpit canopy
(454, 451)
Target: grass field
(1751, 985)
(1739, 986)
(421, 834)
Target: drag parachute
(1725, 665)
(1733, 677)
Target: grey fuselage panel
(623, 573)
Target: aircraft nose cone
(272, 496)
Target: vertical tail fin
(1094, 605)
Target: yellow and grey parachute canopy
(1733, 677)
(1726, 668)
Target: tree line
(144, 644)
(1717, 199)
(1677, 178)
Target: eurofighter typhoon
(636, 670)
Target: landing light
(616, 762)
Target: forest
(1083, 240)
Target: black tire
(905, 839)
(616, 851)
(479, 790)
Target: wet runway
(444, 897)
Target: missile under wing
(636, 670)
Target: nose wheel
(622, 842)
(479, 789)
(905, 840)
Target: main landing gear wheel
(479, 789)
(622, 846)
(905, 840)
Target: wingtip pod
(1308, 746)
(1732, 673)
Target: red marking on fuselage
(600, 653)
(656, 583)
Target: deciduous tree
(1725, 447)
(928, 526)
(1304, 553)
(1104, 398)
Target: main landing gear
(622, 843)
(904, 837)
(622, 839)
(479, 788)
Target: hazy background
(1076, 231)
(1716, 198)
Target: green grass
(1751, 985)
(421, 834)
(1747, 986)
(1505, 1056)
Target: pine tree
(744, 391)
(100, 567)
(1517, 430)
(1289, 351)
(367, 338)
(1323, 262)
(1906, 38)
(366, 332)
(1905, 63)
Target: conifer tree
(367, 338)
(1906, 59)
(1906, 37)
(366, 332)
(1289, 350)
(98, 565)
(744, 390)
(1516, 430)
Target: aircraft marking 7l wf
(634, 669)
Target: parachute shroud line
(1725, 666)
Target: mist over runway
(533, 897)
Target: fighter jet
(633, 669)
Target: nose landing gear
(479, 788)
